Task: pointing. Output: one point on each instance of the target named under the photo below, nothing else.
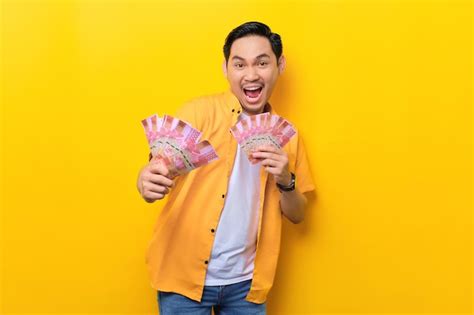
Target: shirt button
(212, 230)
(206, 262)
(223, 196)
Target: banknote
(175, 143)
(262, 129)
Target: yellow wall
(382, 93)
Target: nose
(251, 74)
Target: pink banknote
(262, 129)
(176, 144)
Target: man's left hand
(275, 162)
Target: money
(262, 129)
(175, 143)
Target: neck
(265, 109)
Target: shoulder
(207, 101)
(197, 109)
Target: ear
(281, 64)
(224, 68)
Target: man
(217, 239)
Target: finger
(253, 160)
(152, 196)
(159, 168)
(267, 148)
(151, 187)
(160, 179)
(266, 155)
(272, 170)
(270, 162)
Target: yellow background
(382, 93)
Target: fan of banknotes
(262, 129)
(175, 143)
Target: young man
(216, 242)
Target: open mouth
(253, 94)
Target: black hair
(253, 28)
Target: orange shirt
(183, 235)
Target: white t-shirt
(233, 252)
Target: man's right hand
(153, 182)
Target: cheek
(269, 76)
(233, 78)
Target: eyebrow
(259, 56)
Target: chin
(254, 108)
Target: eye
(263, 63)
(238, 65)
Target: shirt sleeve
(188, 113)
(304, 179)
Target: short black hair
(253, 28)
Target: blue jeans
(225, 299)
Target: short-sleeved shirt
(179, 251)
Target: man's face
(252, 71)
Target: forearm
(275, 161)
(292, 204)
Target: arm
(275, 161)
(293, 204)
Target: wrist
(290, 186)
(285, 180)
